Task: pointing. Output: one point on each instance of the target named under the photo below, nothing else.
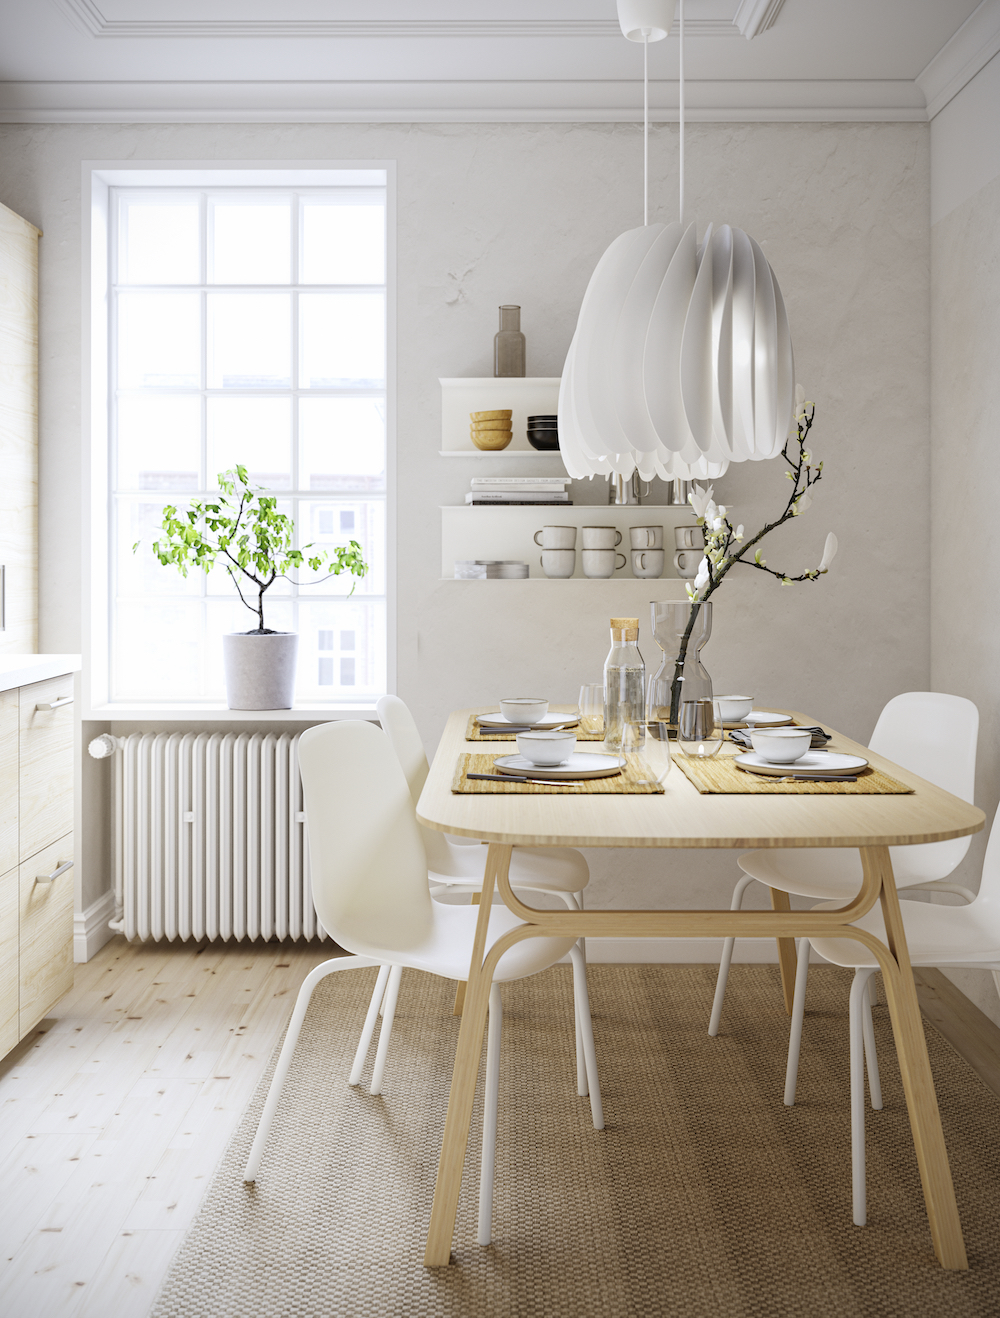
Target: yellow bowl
(491, 439)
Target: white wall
(965, 621)
(492, 213)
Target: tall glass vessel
(508, 345)
(680, 691)
(624, 682)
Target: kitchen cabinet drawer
(8, 780)
(9, 1027)
(46, 932)
(46, 755)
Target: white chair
(931, 734)
(960, 937)
(369, 877)
(455, 866)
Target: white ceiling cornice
(970, 49)
(754, 16)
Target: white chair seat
(935, 935)
(806, 871)
(546, 869)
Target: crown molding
(609, 101)
(957, 63)
(87, 17)
(755, 16)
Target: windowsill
(219, 713)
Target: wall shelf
(506, 532)
(527, 396)
(499, 453)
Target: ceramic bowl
(544, 441)
(733, 709)
(524, 709)
(546, 748)
(781, 745)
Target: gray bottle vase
(260, 669)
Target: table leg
(786, 951)
(463, 1079)
(460, 987)
(915, 1069)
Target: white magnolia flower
(739, 532)
(701, 578)
(803, 502)
(700, 497)
(829, 553)
(800, 401)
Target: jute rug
(704, 1195)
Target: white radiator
(210, 837)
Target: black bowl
(546, 441)
(545, 420)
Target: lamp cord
(645, 127)
(680, 33)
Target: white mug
(647, 562)
(556, 537)
(558, 562)
(689, 537)
(646, 537)
(601, 562)
(687, 562)
(601, 537)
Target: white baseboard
(90, 927)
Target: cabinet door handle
(51, 878)
(49, 705)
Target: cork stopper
(630, 626)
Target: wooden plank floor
(115, 1111)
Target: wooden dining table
(683, 818)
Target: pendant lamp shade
(648, 20)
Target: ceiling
(328, 60)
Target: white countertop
(23, 669)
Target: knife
(520, 778)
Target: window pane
(342, 444)
(159, 653)
(249, 341)
(343, 340)
(343, 244)
(159, 340)
(368, 531)
(159, 242)
(159, 442)
(140, 572)
(250, 242)
(255, 433)
(321, 673)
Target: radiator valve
(103, 746)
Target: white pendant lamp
(682, 361)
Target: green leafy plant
(242, 528)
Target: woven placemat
(625, 783)
(593, 732)
(719, 775)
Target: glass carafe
(624, 681)
(680, 691)
(508, 345)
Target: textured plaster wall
(492, 213)
(965, 582)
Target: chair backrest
(399, 726)
(934, 735)
(369, 870)
(989, 886)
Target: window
(247, 325)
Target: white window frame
(99, 179)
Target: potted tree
(242, 528)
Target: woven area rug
(704, 1195)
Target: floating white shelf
(507, 533)
(528, 396)
(519, 453)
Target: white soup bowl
(524, 709)
(733, 709)
(781, 745)
(546, 748)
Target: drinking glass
(699, 733)
(592, 707)
(649, 744)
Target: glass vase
(680, 691)
(508, 345)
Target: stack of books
(518, 490)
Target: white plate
(815, 763)
(497, 720)
(581, 764)
(760, 718)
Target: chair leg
(857, 1013)
(491, 1096)
(385, 1033)
(798, 1012)
(288, 1048)
(725, 960)
(871, 1056)
(581, 1062)
(587, 1028)
(374, 1010)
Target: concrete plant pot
(260, 669)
